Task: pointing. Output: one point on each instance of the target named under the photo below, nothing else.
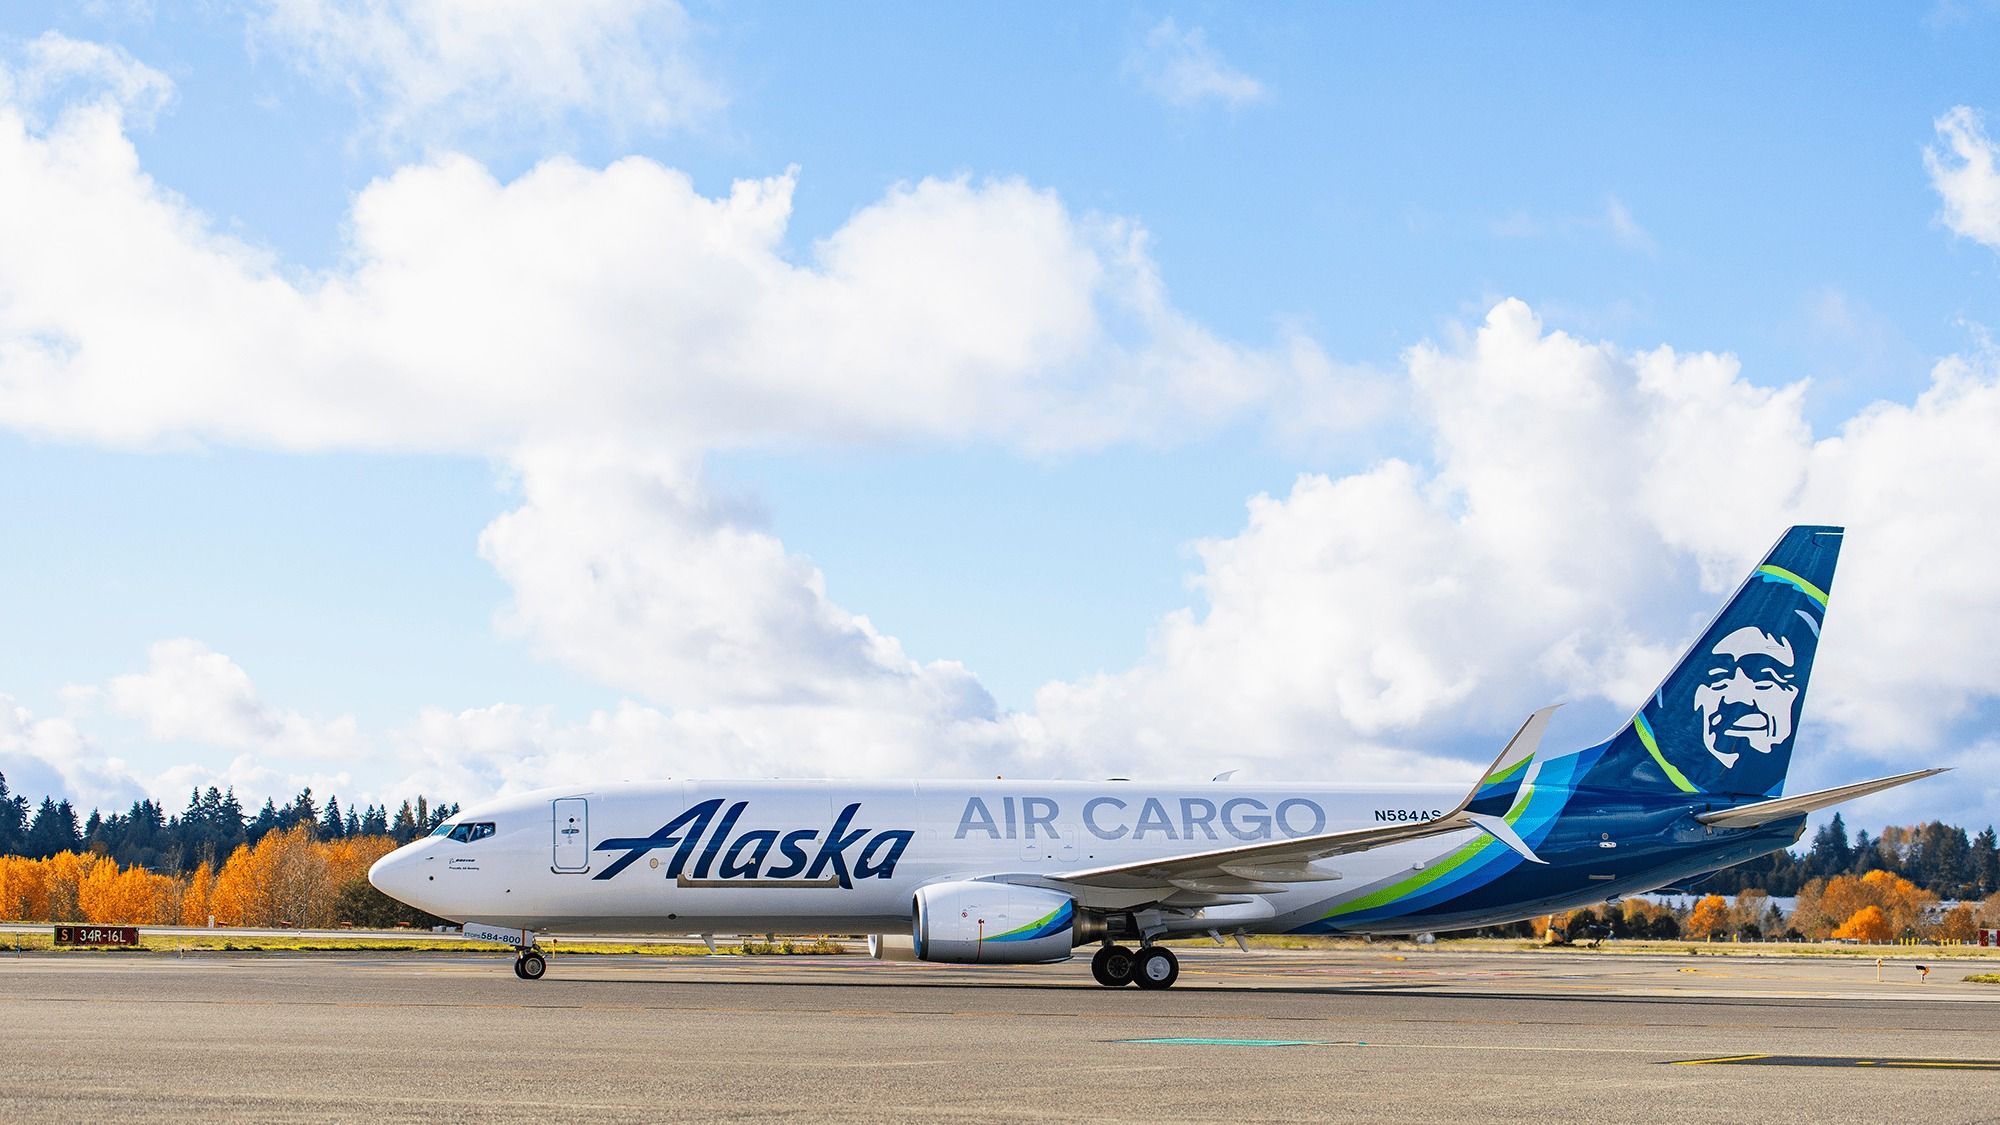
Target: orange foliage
(194, 901)
(24, 888)
(289, 878)
(1960, 923)
(1869, 924)
(350, 859)
(1709, 919)
(1827, 903)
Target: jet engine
(970, 923)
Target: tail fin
(1723, 720)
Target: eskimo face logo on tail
(1748, 696)
(1725, 720)
(726, 854)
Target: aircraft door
(572, 834)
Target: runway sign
(97, 935)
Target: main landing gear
(529, 964)
(1152, 967)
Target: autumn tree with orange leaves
(1868, 924)
(1710, 918)
(288, 879)
(1825, 907)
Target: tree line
(212, 827)
(1936, 857)
(1879, 906)
(288, 878)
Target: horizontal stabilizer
(1500, 830)
(1764, 812)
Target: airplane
(1014, 872)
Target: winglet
(1502, 782)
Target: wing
(1264, 868)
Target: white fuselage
(847, 857)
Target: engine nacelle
(993, 923)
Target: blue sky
(219, 569)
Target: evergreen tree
(302, 810)
(353, 826)
(332, 826)
(1985, 863)
(228, 823)
(267, 821)
(53, 830)
(1831, 854)
(405, 828)
(1939, 860)
(190, 832)
(13, 820)
(142, 836)
(1866, 858)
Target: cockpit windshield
(465, 832)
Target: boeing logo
(722, 853)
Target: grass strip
(224, 942)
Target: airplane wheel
(1113, 966)
(1158, 968)
(531, 966)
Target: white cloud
(191, 693)
(55, 70)
(574, 305)
(1966, 176)
(624, 566)
(1180, 68)
(51, 757)
(433, 70)
(1577, 492)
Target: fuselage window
(468, 832)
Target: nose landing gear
(530, 965)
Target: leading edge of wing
(1764, 812)
(1289, 861)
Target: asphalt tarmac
(1357, 1035)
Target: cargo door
(572, 827)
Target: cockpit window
(443, 829)
(470, 831)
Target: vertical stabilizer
(1724, 719)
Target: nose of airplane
(396, 874)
